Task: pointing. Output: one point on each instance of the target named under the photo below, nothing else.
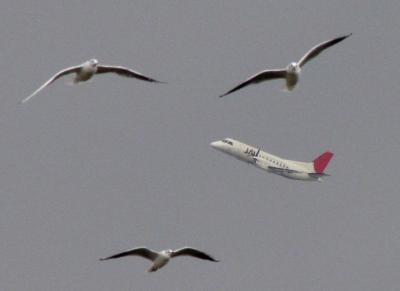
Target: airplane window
(227, 141)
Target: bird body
(292, 76)
(86, 71)
(161, 258)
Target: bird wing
(124, 72)
(74, 69)
(315, 51)
(186, 251)
(142, 252)
(259, 77)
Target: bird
(292, 72)
(86, 70)
(161, 258)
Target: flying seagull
(86, 71)
(292, 72)
(161, 258)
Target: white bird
(292, 72)
(86, 71)
(161, 258)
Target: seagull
(86, 71)
(292, 72)
(161, 258)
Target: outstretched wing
(259, 77)
(74, 69)
(124, 72)
(315, 51)
(142, 252)
(194, 253)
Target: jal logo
(250, 152)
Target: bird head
(168, 252)
(292, 67)
(93, 62)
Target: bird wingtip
(26, 99)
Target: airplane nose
(214, 144)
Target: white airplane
(311, 171)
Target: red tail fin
(322, 161)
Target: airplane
(306, 171)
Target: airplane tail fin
(322, 161)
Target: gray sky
(93, 169)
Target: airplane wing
(289, 171)
(264, 164)
(317, 175)
(281, 170)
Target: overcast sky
(90, 170)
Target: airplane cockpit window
(227, 141)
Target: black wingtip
(230, 91)
(345, 36)
(212, 259)
(156, 81)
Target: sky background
(90, 170)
